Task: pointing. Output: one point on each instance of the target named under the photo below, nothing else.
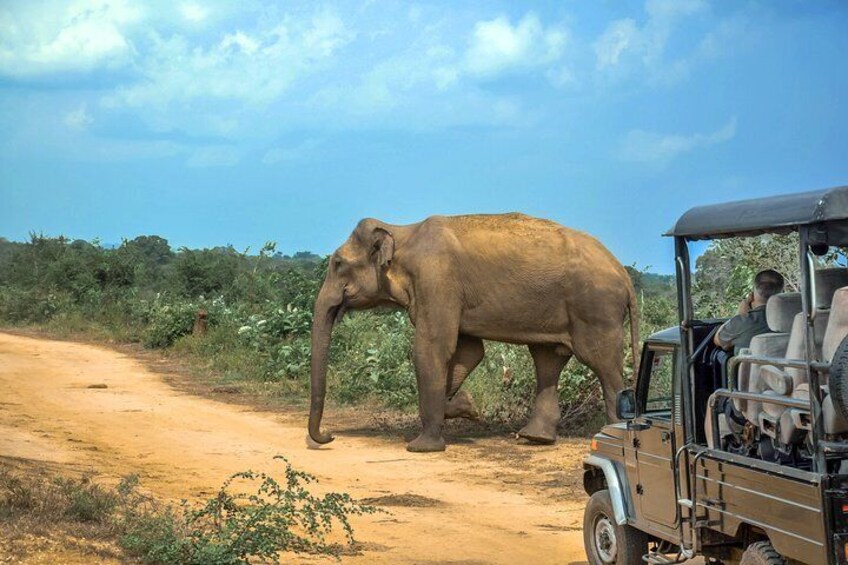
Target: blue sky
(211, 123)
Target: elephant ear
(383, 247)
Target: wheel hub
(605, 543)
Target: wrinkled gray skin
(463, 279)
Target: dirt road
(490, 500)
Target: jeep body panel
(613, 482)
(787, 507)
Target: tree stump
(201, 322)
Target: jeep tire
(605, 541)
(761, 553)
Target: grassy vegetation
(259, 317)
(259, 314)
(252, 517)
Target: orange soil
(490, 500)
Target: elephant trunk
(328, 308)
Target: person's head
(767, 283)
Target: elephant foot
(461, 406)
(426, 444)
(538, 434)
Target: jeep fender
(617, 490)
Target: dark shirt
(739, 329)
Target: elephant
(463, 279)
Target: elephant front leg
(431, 368)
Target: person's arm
(728, 332)
(717, 337)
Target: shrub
(282, 337)
(168, 319)
(233, 527)
(371, 356)
(32, 305)
(168, 322)
(52, 500)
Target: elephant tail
(633, 314)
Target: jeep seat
(781, 310)
(793, 422)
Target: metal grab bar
(755, 396)
(733, 364)
(765, 398)
(811, 263)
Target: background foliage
(260, 311)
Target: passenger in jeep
(737, 332)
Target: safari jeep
(737, 459)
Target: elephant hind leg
(549, 361)
(469, 352)
(603, 353)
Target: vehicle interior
(774, 432)
(795, 363)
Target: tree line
(259, 308)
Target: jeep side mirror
(625, 404)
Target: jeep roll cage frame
(821, 219)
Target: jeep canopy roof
(775, 214)
(668, 336)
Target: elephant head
(355, 279)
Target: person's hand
(745, 305)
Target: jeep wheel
(761, 553)
(606, 542)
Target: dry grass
(48, 516)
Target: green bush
(281, 336)
(235, 527)
(253, 517)
(371, 357)
(168, 322)
(32, 305)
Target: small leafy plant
(276, 517)
(252, 518)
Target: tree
(725, 271)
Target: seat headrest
(781, 310)
(827, 281)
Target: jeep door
(652, 437)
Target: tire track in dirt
(462, 506)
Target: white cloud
(214, 156)
(75, 37)
(618, 37)
(240, 40)
(728, 36)
(252, 68)
(251, 74)
(498, 46)
(432, 74)
(281, 154)
(193, 12)
(79, 119)
(625, 40)
(326, 34)
(642, 146)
